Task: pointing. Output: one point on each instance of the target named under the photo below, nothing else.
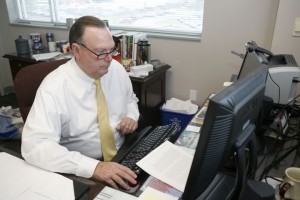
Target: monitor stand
(232, 186)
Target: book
(126, 42)
(117, 37)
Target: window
(172, 18)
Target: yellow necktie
(106, 133)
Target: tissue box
(142, 69)
(171, 117)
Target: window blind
(157, 17)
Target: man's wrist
(98, 166)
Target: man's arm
(40, 141)
(129, 123)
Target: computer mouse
(132, 187)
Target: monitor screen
(228, 114)
(252, 61)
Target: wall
(205, 65)
(283, 41)
(202, 66)
(5, 77)
(2, 71)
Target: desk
(150, 90)
(17, 62)
(85, 189)
(13, 147)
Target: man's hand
(113, 173)
(127, 125)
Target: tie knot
(97, 83)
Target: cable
(276, 179)
(268, 154)
(276, 162)
(297, 150)
(279, 149)
(293, 99)
(287, 153)
(277, 86)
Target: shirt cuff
(133, 111)
(86, 167)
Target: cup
(66, 47)
(143, 52)
(49, 37)
(290, 187)
(22, 45)
(37, 46)
(106, 23)
(126, 64)
(36, 37)
(52, 46)
(69, 22)
(30, 43)
(60, 45)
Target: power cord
(276, 85)
(277, 158)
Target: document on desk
(22, 181)
(112, 194)
(168, 163)
(46, 56)
(151, 194)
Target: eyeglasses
(101, 56)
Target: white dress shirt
(61, 133)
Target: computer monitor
(229, 113)
(284, 72)
(254, 58)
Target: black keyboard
(142, 143)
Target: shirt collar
(87, 81)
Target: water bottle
(22, 45)
(143, 52)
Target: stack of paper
(180, 106)
(22, 181)
(46, 56)
(168, 163)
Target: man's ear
(75, 49)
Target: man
(61, 133)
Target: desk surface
(81, 185)
(29, 58)
(85, 189)
(150, 90)
(13, 147)
(24, 57)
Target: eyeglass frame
(112, 52)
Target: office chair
(27, 81)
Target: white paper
(168, 163)
(46, 56)
(177, 105)
(22, 181)
(112, 194)
(153, 194)
(193, 128)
